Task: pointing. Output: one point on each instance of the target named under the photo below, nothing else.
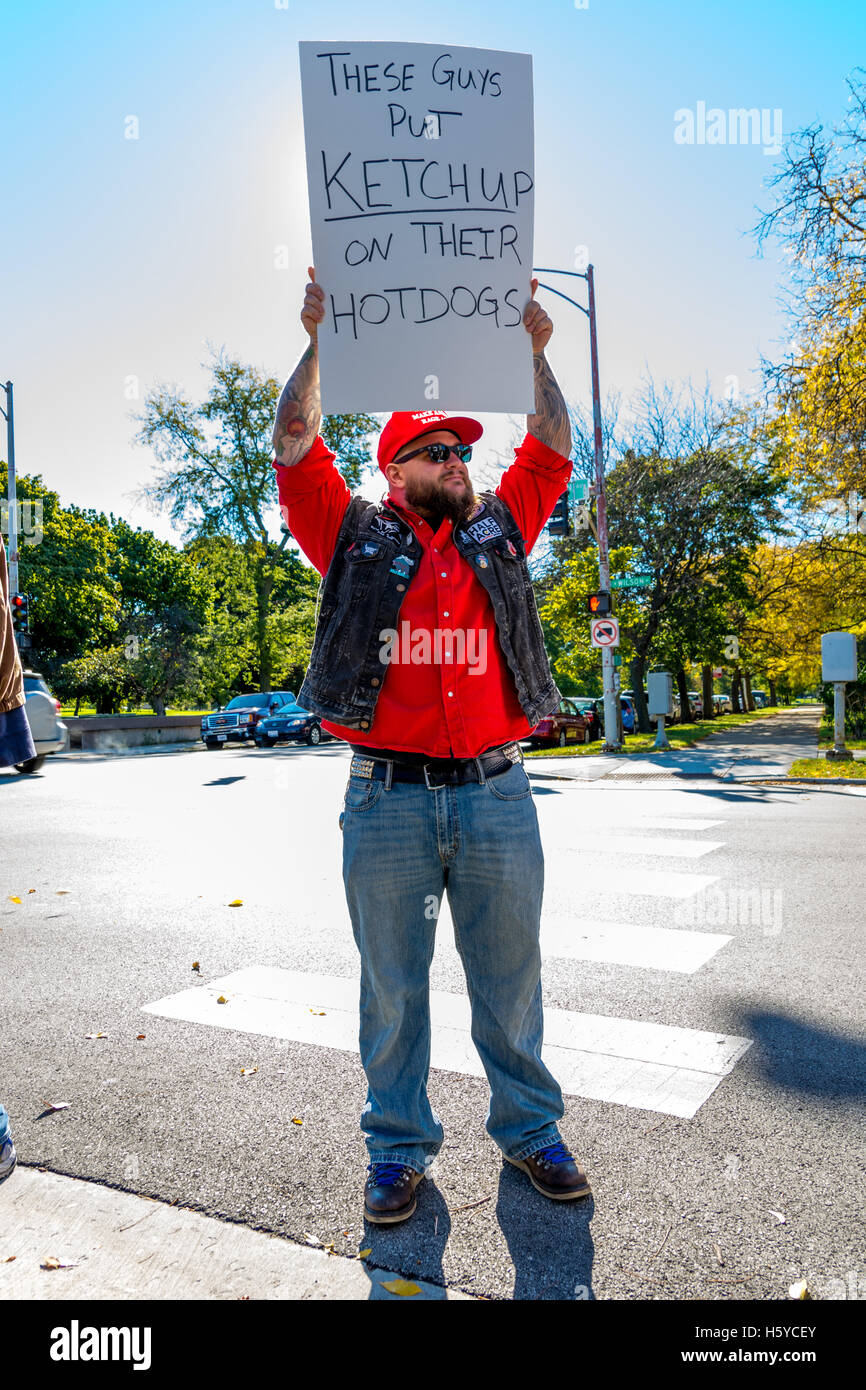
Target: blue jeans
(402, 847)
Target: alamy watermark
(441, 646)
(28, 521)
(850, 511)
(737, 126)
(733, 907)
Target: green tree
(217, 476)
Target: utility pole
(13, 499)
(612, 736)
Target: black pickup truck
(237, 723)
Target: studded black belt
(439, 772)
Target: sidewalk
(765, 748)
(114, 1245)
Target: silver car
(50, 734)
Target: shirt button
(446, 614)
(444, 574)
(450, 692)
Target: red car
(566, 725)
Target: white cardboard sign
(420, 166)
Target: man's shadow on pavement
(550, 1242)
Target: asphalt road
(677, 920)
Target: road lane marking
(651, 1066)
(648, 845)
(616, 943)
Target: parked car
(566, 725)
(589, 709)
(696, 700)
(237, 723)
(761, 699)
(50, 734)
(629, 713)
(290, 724)
(722, 704)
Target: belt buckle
(361, 767)
(431, 786)
(513, 752)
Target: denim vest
(374, 562)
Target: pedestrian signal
(599, 605)
(560, 521)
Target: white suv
(50, 735)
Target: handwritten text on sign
(420, 170)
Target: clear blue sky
(125, 258)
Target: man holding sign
(429, 660)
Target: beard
(441, 499)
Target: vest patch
(484, 530)
(386, 527)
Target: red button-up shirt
(456, 698)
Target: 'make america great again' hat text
(406, 425)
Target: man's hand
(313, 311)
(537, 321)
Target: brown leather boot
(554, 1172)
(389, 1192)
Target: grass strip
(850, 769)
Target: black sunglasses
(440, 452)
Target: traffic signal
(20, 605)
(560, 521)
(599, 605)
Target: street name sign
(604, 632)
(633, 581)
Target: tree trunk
(707, 692)
(77, 705)
(637, 668)
(683, 691)
(749, 702)
(157, 704)
(773, 700)
(736, 707)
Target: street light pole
(612, 741)
(13, 500)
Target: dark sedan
(291, 724)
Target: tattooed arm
(550, 423)
(299, 411)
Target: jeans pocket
(361, 794)
(512, 785)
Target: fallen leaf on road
(14, 900)
(195, 965)
(778, 1215)
(222, 999)
(296, 1121)
(248, 1071)
(8, 1258)
(402, 1286)
(320, 1013)
(139, 1037)
(96, 1035)
(799, 1290)
(362, 1254)
(61, 891)
(56, 1104)
(718, 1253)
(53, 1263)
(238, 902)
(29, 890)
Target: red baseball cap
(406, 425)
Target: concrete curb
(122, 1246)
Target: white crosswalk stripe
(648, 1065)
(623, 1061)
